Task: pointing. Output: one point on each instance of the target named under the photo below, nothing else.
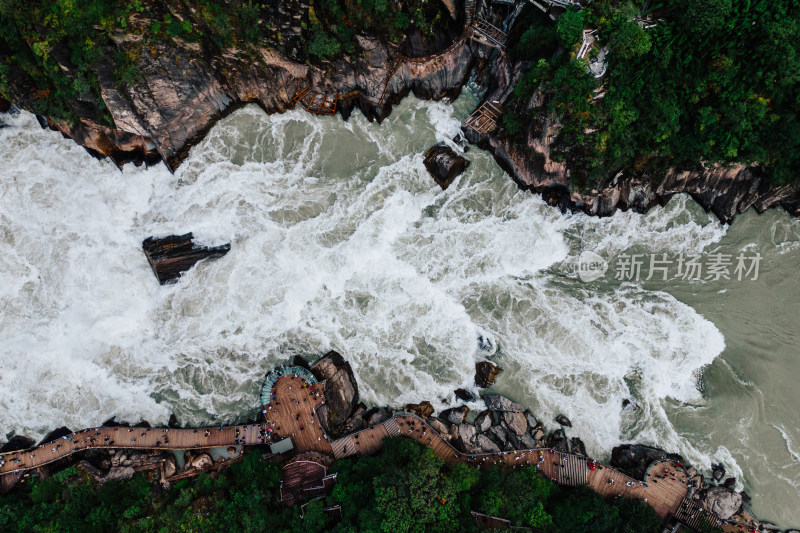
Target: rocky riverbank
(507, 426)
(503, 426)
(185, 88)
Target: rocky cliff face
(724, 191)
(341, 392)
(186, 87)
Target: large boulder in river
(564, 421)
(717, 471)
(723, 501)
(485, 373)
(444, 164)
(341, 391)
(170, 256)
(634, 459)
(465, 395)
(496, 402)
(376, 416)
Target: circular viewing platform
(272, 377)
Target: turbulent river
(341, 240)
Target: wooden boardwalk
(293, 415)
(484, 119)
(491, 34)
(663, 494)
(314, 102)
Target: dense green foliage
(404, 488)
(716, 81)
(53, 46)
(50, 50)
(407, 488)
(336, 22)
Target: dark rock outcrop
(516, 422)
(634, 459)
(170, 256)
(723, 501)
(444, 164)
(112, 423)
(341, 391)
(717, 471)
(55, 434)
(17, 442)
(557, 440)
(455, 415)
(465, 395)
(485, 373)
(5, 106)
(440, 427)
(578, 446)
(173, 421)
(630, 405)
(483, 421)
(422, 409)
(564, 421)
(496, 402)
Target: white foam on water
(340, 240)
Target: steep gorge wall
(186, 88)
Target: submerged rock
(630, 405)
(170, 256)
(564, 421)
(485, 373)
(444, 164)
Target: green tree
(570, 27)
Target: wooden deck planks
(293, 414)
